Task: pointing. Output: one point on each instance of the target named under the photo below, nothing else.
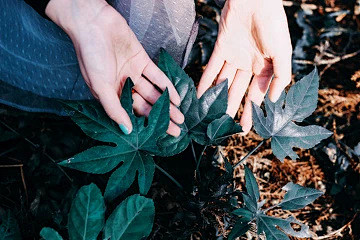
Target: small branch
(250, 153)
(169, 176)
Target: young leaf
(251, 184)
(132, 219)
(298, 196)
(199, 113)
(134, 150)
(221, 128)
(9, 229)
(267, 225)
(50, 234)
(86, 216)
(301, 101)
(239, 229)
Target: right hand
(108, 53)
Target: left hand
(253, 41)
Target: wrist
(74, 15)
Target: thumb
(109, 99)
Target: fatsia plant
(206, 121)
(134, 151)
(279, 123)
(132, 219)
(296, 197)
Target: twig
(309, 6)
(327, 61)
(37, 146)
(336, 232)
(169, 176)
(7, 151)
(24, 184)
(250, 153)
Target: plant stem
(193, 151)
(37, 146)
(169, 176)
(250, 153)
(199, 161)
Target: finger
(109, 99)
(256, 94)
(282, 73)
(237, 91)
(151, 95)
(143, 108)
(211, 71)
(157, 77)
(227, 72)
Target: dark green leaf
(86, 217)
(298, 196)
(251, 184)
(9, 229)
(131, 220)
(239, 229)
(122, 178)
(250, 202)
(267, 225)
(245, 214)
(199, 113)
(50, 234)
(134, 150)
(301, 101)
(221, 128)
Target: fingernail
(124, 129)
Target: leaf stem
(193, 151)
(169, 176)
(199, 161)
(250, 153)
(37, 146)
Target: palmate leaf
(134, 150)
(209, 110)
(131, 220)
(9, 228)
(298, 196)
(50, 234)
(273, 228)
(301, 101)
(87, 214)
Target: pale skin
(253, 40)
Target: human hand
(108, 53)
(253, 40)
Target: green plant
(132, 219)
(206, 123)
(296, 197)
